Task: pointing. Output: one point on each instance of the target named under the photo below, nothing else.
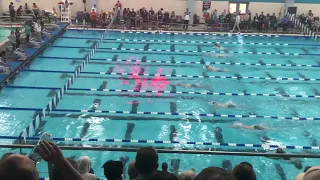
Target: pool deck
(31, 53)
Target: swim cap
(207, 63)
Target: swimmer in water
(214, 69)
(217, 55)
(190, 85)
(228, 104)
(213, 38)
(216, 45)
(258, 127)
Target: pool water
(143, 54)
(4, 33)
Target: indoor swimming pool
(154, 86)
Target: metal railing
(171, 151)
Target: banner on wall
(206, 5)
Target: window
(241, 7)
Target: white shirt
(237, 18)
(187, 17)
(37, 27)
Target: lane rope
(183, 76)
(195, 42)
(186, 62)
(188, 51)
(167, 142)
(170, 92)
(166, 113)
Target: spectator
(273, 22)
(35, 9)
(316, 24)
(93, 18)
(146, 162)
(152, 18)
(18, 41)
(12, 38)
(187, 175)
(160, 18)
(162, 176)
(37, 28)
(56, 174)
(266, 22)
(113, 170)
(166, 18)
(144, 15)
(12, 11)
(84, 164)
(19, 11)
(138, 19)
(244, 171)
(54, 15)
(132, 172)
(118, 5)
(284, 23)
(186, 20)
(165, 172)
(95, 8)
(125, 14)
(236, 23)
(260, 21)
(256, 21)
(3, 61)
(27, 31)
(311, 174)
(133, 18)
(17, 167)
(26, 8)
(214, 173)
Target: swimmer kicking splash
(187, 85)
(258, 127)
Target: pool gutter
(28, 61)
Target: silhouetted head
(164, 166)
(146, 161)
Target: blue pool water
(119, 53)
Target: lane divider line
(186, 62)
(183, 76)
(195, 42)
(168, 113)
(170, 92)
(188, 51)
(265, 146)
(34, 125)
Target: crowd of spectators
(312, 22)
(144, 167)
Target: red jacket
(93, 15)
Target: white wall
(304, 8)
(266, 8)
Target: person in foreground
(312, 173)
(244, 171)
(20, 167)
(214, 173)
(84, 164)
(146, 163)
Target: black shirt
(133, 14)
(261, 18)
(160, 15)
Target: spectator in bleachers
(266, 23)
(146, 162)
(187, 175)
(118, 5)
(113, 170)
(12, 11)
(26, 8)
(133, 18)
(18, 41)
(260, 21)
(35, 9)
(310, 20)
(55, 173)
(236, 23)
(244, 171)
(27, 31)
(166, 18)
(144, 15)
(186, 20)
(214, 173)
(152, 18)
(125, 15)
(19, 11)
(273, 22)
(95, 8)
(316, 24)
(93, 18)
(37, 28)
(132, 172)
(12, 38)
(3, 59)
(284, 23)
(138, 19)
(256, 21)
(84, 165)
(160, 18)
